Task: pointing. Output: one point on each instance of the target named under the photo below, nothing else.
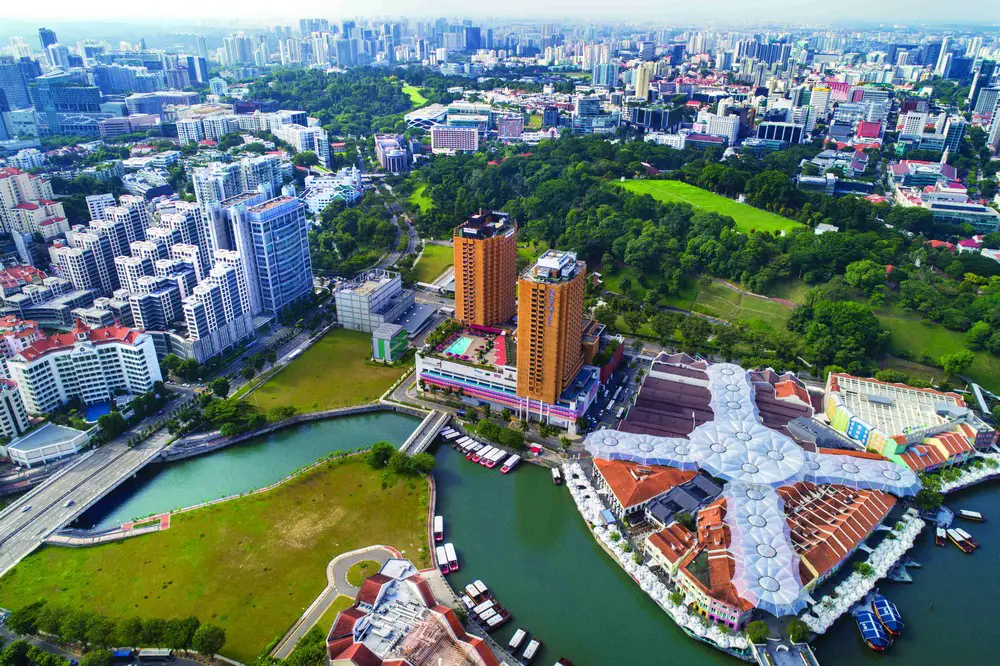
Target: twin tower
(547, 299)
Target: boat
(961, 543)
(531, 650)
(496, 457)
(478, 455)
(940, 538)
(438, 528)
(449, 550)
(498, 619)
(476, 446)
(467, 602)
(888, 615)
(487, 615)
(517, 639)
(483, 607)
(442, 559)
(484, 455)
(557, 476)
(482, 589)
(510, 464)
(968, 537)
(971, 515)
(871, 631)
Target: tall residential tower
(485, 269)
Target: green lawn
(250, 565)
(747, 217)
(909, 333)
(434, 261)
(775, 314)
(361, 571)
(790, 290)
(332, 373)
(418, 199)
(534, 122)
(342, 602)
(416, 98)
(531, 250)
(717, 301)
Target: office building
(46, 37)
(389, 343)
(510, 127)
(374, 298)
(15, 75)
(93, 365)
(549, 326)
(98, 203)
(390, 152)
(485, 250)
(605, 74)
(982, 80)
(779, 131)
(63, 106)
(13, 417)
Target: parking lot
(604, 411)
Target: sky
(268, 12)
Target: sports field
(747, 217)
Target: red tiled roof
(344, 623)
(371, 587)
(26, 205)
(424, 588)
(359, 654)
(674, 541)
(60, 341)
(634, 484)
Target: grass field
(332, 373)
(534, 122)
(909, 333)
(250, 565)
(416, 98)
(747, 217)
(790, 290)
(420, 200)
(434, 260)
(360, 571)
(342, 602)
(531, 250)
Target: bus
(620, 414)
(155, 654)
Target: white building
(91, 365)
(190, 130)
(446, 139)
(98, 203)
(306, 138)
(321, 191)
(47, 443)
(13, 416)
(727, 126)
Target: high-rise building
(15, 75)
(982, 80)
(486, 269)
(272, 237)
(640, 80)
(46, 37)
(550, 325)
(98, 203)
(605, 74)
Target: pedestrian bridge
(425, 433)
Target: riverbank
(973, 476)
(252, 563)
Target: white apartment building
(190, 130)
(98, 203)
(303, 138)
(13, 416)
(89, 364)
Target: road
(60, 499)
(10, 637)
(336, 576)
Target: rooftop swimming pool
(460, 346)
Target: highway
(60, 499)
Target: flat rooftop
(896, 409)
(47, 435)
(554, 266)
(485, 225)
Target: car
(26, 509)
(69, 503)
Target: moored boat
(940, 538)
(442, 559)
(517, 639)
(449, 551)
(531, 650)
(967, 537)
(557, 477)
(438, 528)
(888, 615)
(971, 515)
(871, 631)
(482, 452)
(510, 464)
(961, 543)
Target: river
(525, 539)
(243, 467)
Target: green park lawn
(416, 98)
(332, 373)
(250, 565)
(534, 122)
(434, 260)
(418, 199)
(747, 217)
(528, 251)
(342, 602)
(360, 571)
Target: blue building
(273, 237)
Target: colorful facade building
(486, 269)
(920, 428)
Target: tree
(231, 140)
(379, 454)
(129, 631)
(75, 626)
(687, 520)
(180, 632)
(400, 463)
(220, 387)
(798, 631)
(422, 463)
(757, 632)
(248, 372)
(101, 632)
(979, 335)
(306, 158)
(102, 657)
(153, 630)
(957, 362)
(24, 621)
(865, 275)
(112, 424)
(634, 319)
(208, 640)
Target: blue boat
(888, 615)
(871, 631)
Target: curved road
(336, 577)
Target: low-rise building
(389, 343)
(45, 444)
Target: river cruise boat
(449, 551)
(484, 606)
(499, 618)
(496, 457)
(438, 528)
(971, 515)
(557, 477)
(485, 455)
(481, 452)
(517, 639)
(871, 631)
(967, 537)
(467, 602)
(531, 651)
(959, 542)
(482, 589)
(510, 464)
(442, 559)
(940, 538)
(888, 615)
(476, 447)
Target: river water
(243, 467)
(525, 539)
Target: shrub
(757, 632)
